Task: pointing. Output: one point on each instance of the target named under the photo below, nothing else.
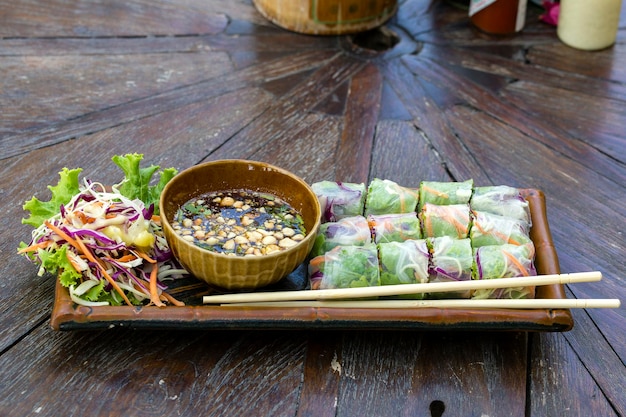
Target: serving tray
(66, 315)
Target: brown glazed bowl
(239, 272)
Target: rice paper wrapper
(504, 261)
(502, 200)
(345, 267)
(452, 220)
(404, 262)
(386, 197)
(339, 199)
(492, 229)
(352, 231)
(452, 260)
(396, 227)
(445, 193)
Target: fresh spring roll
(501, 199)
(504, 261)
(452, 220)
(353, 231)
(345, 267)
(445, 193)
(452, 260)
(386, 196)
(492, 229)
(339, 199)
(395, 227)
(404, 263)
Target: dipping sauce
(239, 222)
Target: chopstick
(457, 303)
(402, 289)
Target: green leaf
(136, 184)
(62, 193)
(94, 292)
(56, 262)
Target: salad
(106, 245)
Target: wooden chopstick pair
(345, 298)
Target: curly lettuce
(137, 181)
(66, 188)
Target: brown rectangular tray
(66, 315)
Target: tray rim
(66, 315)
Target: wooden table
(197, 80)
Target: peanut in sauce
(239, 222)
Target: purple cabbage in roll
(452, 260)
(504, 261)
(339, 199)
(502, 200)
(353, 231)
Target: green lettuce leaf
(62, 193)
(56, 262)
(137, 183)
(94, 292)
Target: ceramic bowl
(239, 272)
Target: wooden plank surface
(189, 81)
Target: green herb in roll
(445, 193)
(404, 263)
(386, 196)
(395, 227)
(492, 229)
(345, 267)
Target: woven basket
(327, 17)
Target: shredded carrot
(428, 225)
(433, 191)
(144, 256)
(108, 277)
(461, 228)
(126, 258)
(317, 260)
(154, 294)
(72, 261)
(517, 263)
(81, 247)
(403, 200)
(171, 299)
(84, 218)
(62, 234)
(81, 216)
(34, 247)
(498, 234)
(156, 218)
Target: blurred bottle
(500, 17)
(588, 25)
